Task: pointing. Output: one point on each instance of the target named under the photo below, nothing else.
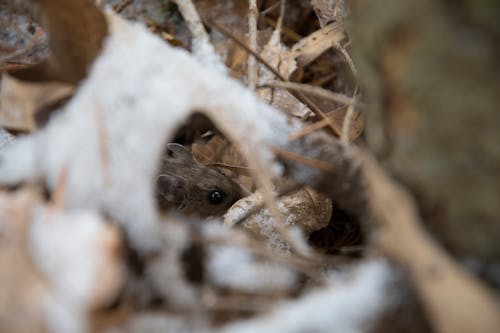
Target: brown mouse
(192, 188)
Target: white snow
(5, 138)
(346, 306)
(139, 90)
(236, 267)
(65, 248)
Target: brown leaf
(23, 289)
(19, 101)
(312, 46)
(304, 208)
(329, 10)
(76, 31)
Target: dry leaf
(43, 253)
(329, 10)
(304, 208)
(19, 101)
(276, 54)
(309, 48)
(23, 289)
(76, 30)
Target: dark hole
(192, 261)
(31, 29)
(195, 128)
(343, 230)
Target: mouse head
(188, 186)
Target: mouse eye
(216, 197)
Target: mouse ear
(178, 153)
(171, 192)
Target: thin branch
(270, 8)
(279, 25)
(347, 123)
(312, 127)
(252, 68)
(300, 96)
(318, 91)
(122, 6)
(202, 47)
(347, 58)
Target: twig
(346, 124)
(324, 79)
(122, 6)
(318, 91)
(285, 31)
(202, 47)
(336, 8)
(312, 128)
(279, 25)
(252, 42)
(270, 8)
(300, 96)
(347, 58)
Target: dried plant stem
(270, 8)
(201, 40)
(285, 31)
(300, 96)
(336, 8)
(317, 91)
(347, 58)
(279, 25)
(252, 42)
(312, 127)
(123, 5)
(188, 11)
(347, 123)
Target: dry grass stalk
(313, 127)
(317, 91)
(192, 19)
(285, 31)
(347, 58)
(202, 47)
(300, 96)
(347, 123)
(119, 8)
(253, 13)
